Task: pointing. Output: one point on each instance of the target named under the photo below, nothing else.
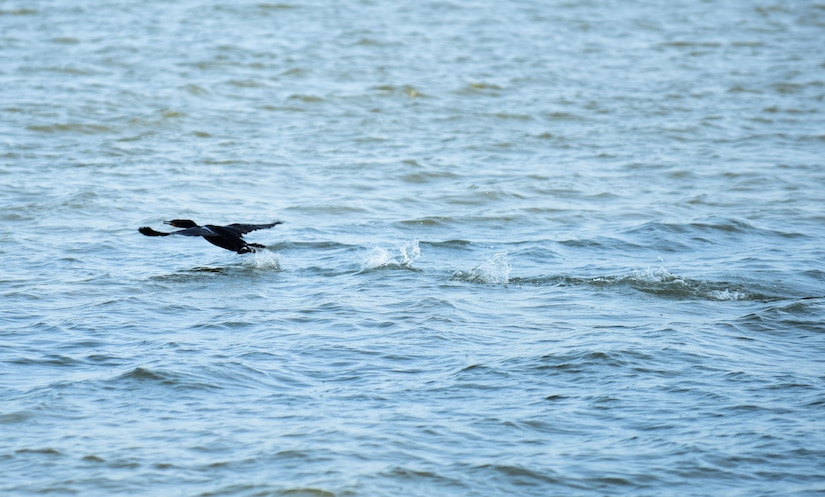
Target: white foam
(727, 294)
(263, 259)
(495, 270)
(658, 275)
(380, 257)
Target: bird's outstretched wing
(197, 231)
(246, 228)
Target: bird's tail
(150, 232)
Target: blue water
(530, 248)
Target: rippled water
(530, 248)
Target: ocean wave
(661, 282)
(172, 379)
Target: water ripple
(529, 251)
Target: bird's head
(181, 223)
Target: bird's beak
(168, 222)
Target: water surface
(537, 248)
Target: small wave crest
(495, 270)
(379, 257)
(660, 281)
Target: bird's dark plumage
(229, 237)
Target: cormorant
(229, 237)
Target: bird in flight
(229, 237)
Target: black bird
(229, 237)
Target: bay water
(529, 248)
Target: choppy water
(531, 248)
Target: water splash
(728, 294)
(493, 271)
(265, 260)
(410, 251)
(379, 257)
(658, 275)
